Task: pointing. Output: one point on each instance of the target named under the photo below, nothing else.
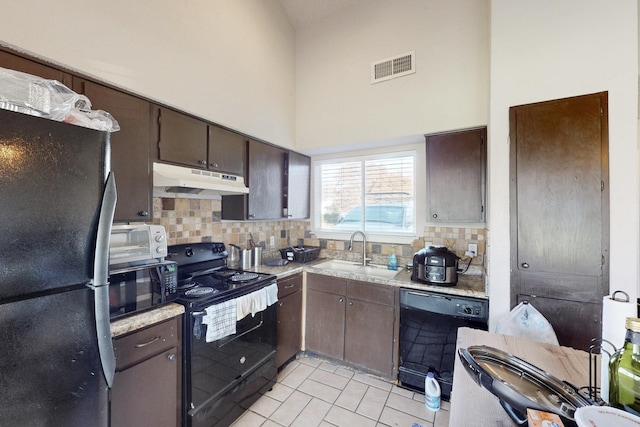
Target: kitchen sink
(357, 268)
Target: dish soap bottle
(431, 392)
(393, 260)
(624, 371)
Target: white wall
(232, 62)
(336, 103)
(551, 49)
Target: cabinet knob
(171, 357)
(213, 165)
(202, 162)
(435, 215)
(525, 265)
(350, 302)
(341, 300)
(143, 213)
(281, 304)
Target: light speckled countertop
(468, 285)
(124, 325)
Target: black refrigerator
(57, 199)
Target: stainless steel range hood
(178, 181)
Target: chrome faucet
(364, 246)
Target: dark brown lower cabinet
(353, 321)
(289, 318)
(147, 385)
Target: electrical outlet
(272, 240)
(473, 248)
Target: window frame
(416, 151)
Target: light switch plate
(272, 240)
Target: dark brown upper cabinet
(265, 179)
(18, 63)
(130, 158)
(456, 175)
(297, 169)
(192, 142)
(181, 138)
(227, 150)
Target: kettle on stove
(435, 265)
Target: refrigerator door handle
(100, 283)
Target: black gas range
(222, 376)
(204, 279)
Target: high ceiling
(303, 12)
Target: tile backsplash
(197, 220)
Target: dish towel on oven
(256, 302)
(220, 320)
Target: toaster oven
(134, 244)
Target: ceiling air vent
(396, 66)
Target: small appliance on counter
(301, 254)
(435, 265)
(139, 276)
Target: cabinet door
(369, 336)
(15, 62)
(325, 324)
(266, 165)
(297, 170)
(182, 139)
(559, 212)
(130, 157)
(289, 327)
(371, 307)
(146, 394)
(289, 318)
(456, 175)
(227, 151)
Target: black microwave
(139, 288)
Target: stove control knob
(468, 310)
(189, 252)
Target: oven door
(224, 377)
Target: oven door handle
(232, 338)
(199, 313)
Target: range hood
(176, 181)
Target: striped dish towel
(220, 320)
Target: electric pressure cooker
(435, 265)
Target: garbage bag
(525, 321)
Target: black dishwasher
(429, 323)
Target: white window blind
(373, 194)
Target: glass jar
(624, 371)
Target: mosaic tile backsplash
(196, 220)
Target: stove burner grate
(198, 292)
(243, 277)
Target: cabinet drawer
(289, 285)
(143, 344)
(378, 294)
(334, 285)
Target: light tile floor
(314, 392)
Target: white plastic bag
(50, 99)
(525, 321)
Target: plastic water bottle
(393, 260)
(431, 392)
